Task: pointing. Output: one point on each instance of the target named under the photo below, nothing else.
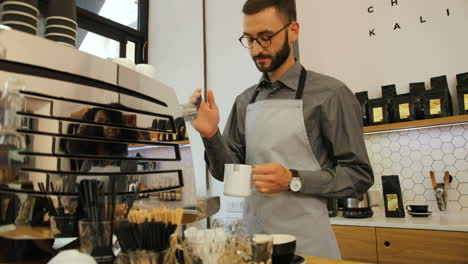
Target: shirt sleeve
(229, 147)
(341, 127)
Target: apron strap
(299, 92)
(302, 80)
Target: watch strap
(294, 173)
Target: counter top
(437, 221)
(312, 260)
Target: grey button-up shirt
(333, 121)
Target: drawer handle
(387, 244)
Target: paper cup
(237, 180)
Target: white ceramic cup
(125, 62)
(237, 180)
(146, 69)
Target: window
(112, 28)
(124, 12)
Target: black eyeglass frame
(266, 41)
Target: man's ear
(294, 32)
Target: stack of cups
(61, 22)
(20, 15)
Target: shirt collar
(290, 79)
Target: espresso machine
(49, 143)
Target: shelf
(418, 124)
(180, 142)
(28, 232)
(206, 207)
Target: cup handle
(408, 208)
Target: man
(302, 132)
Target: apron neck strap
(299, 92)
(302, 80)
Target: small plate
(420, 214)
(298, 260)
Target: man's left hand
(271, 178)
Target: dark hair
(287, 8)
(91, 147)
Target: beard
(276, 60)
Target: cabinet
(356, 243)
(398, 246)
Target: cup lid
(60, 35)
(59, 26)
(61, 18)
(13, 12)
(30, 4)
(66, 44)
(19, 23)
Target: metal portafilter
(190, 110)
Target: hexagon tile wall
(412, 154)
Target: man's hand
(271, 178)
(207, 119)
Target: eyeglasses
(264, 40)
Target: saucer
(428, 213)
(298, 260)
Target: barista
(301, 130)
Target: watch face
(295, 185)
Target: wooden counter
(28, 232)
(315, 260)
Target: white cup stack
(21, 15)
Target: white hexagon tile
(460, 153)
(427, 161)
(436, 143)
(446, 136)
(413, 154)
(425, 150)
(424, 139)
(449, 159)
(463, 188)
(437, 154)
(409, 195)
(461, 165)
(419, 199)
(395, 146)
(435, 132)
(463, 200)
(429, 195)
(462, 176)
(448, 148)
(457, 130)
(458, 141)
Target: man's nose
(256, 49)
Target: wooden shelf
(28, 232)
(450, 120)
(181, 142)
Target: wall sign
(412, 41)
(398, 25)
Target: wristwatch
(295, 184)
